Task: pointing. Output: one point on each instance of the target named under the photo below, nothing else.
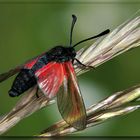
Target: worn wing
(26, 65)
(9, 73)
(69, 99)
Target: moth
(54, 75)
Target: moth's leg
(73, 60)
(83, 65)
(37, 95)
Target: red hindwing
(30, 64)
(50, 78)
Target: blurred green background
(28, 28)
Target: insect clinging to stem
(54, 74)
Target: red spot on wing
(50, 78)
(30, 64)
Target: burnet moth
(54, 74)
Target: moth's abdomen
(24, 80)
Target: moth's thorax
(62, 54)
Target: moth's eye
(59, 52)
(73, 51)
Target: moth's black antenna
(74, 18)
(101, 34)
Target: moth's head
(60, 51)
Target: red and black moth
(54, 74)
